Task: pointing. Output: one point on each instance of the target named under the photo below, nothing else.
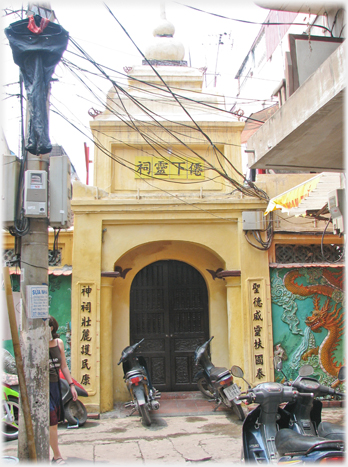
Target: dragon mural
(322, 316)
(308, 320)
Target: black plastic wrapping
(37, 56)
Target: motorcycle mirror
(306, 370)
(342, 373)
(237, 371)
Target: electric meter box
(60, 192)
(35, 193)
(11, 166)
(253, 220)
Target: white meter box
(35, 193)
(37, 301)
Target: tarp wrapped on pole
(37, 47)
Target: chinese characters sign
(87, 335)
(169, 168)
(258, 311)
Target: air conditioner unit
(336, 205)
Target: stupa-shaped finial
(165, 47)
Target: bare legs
(54, 441)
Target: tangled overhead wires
(148, 127)
(21, 224)
(149, 130)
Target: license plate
(232, 392)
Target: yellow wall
(133, 234)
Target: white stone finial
(164, 46)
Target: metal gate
(169, 309)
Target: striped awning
(55, 271)
(307, 196)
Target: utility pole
(34, 330)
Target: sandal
(59, 460)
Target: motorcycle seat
(218, 372)
(330, 430)
(288, 442)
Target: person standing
(57, 361)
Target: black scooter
(304, 415)
(138, 382)
(216, 383)
(268, 436)
(75, 411)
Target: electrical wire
(252, 22)
(21, 223)
(322, 246)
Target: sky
(92, 26)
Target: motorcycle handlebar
(249, 397)
(129, 350)
(305, 394)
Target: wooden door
(169, 309)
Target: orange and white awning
(309, 195)
(55, 271)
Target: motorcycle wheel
(75, 411)
(206, 388)
(145, 415)
(238, 410)
(10, 430)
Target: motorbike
(268, 434)
(144, 395)
(216, 383)
(75, 411)
(10, 412)
(305, 413)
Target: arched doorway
(169, 309)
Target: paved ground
(184, 430)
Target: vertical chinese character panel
(257, 306)
(87, 344)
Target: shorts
(55, 406)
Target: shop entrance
(169, 309)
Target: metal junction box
(253, 220)
(60, 192)
(35, 193)
(11, 166)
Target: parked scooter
(305, 413)
(75, 412)
(216, 383)
(266, 436)
(138, 383)
(10, 412)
